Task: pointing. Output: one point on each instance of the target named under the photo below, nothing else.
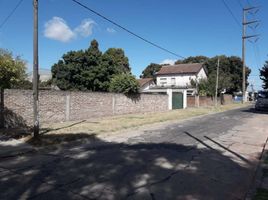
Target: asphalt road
(209, 157)
(209, 125)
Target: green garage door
(177, 100)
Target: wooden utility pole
(217, 83)
(244, 38)
(35, 71)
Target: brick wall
(208, 101)
(191, 101)
(58, 106)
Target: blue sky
(186, 27)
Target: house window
(173, 81)
(163, 79)
(163, 83)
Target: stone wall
(59, 106)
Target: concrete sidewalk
(11, 147)
(213, 157)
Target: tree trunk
(2, 106)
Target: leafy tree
(89, 69)
(12, 70)
(150, 71)
(124, 83)
(230, 72)
(192, 59)
(116, 58)
(264, 75)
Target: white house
(180, 75)
(175, 80)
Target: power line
(232, 14)
(10, 14)
(127, 30)
(239, 2)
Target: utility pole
(217, 83)
(35, 71)
(244, 38)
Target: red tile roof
(191, 68)
(143, 81)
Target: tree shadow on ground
(253, 110)
(106, 170)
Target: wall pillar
(184, 99)
(67, 108)
(169, 93)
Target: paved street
(209, 157)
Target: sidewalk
(11, 147)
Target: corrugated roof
(191, 68)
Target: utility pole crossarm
(251, 22)
(250, 36)
(251, 8)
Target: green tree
(116, 58)
(124, 83)
(230, 73)
(89, 69)
(12, 70)
(192, 59)
(264, 75)
(150, 71)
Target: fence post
(2, 107)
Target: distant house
(146, 84)
(175, 80)
(44, 75)
(180, 75)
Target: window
(163, 79)
(173, 81)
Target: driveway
(209, 157)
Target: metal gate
(177, 100)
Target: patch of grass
(261, 194)
(118, 123)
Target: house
(180, 75)
(175, 80)
(44, 75)
(146, 84)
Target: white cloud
(168, 61)
(110, 30)
(85, 28)
(58, 29)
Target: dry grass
(88, 130)
(117, 123)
